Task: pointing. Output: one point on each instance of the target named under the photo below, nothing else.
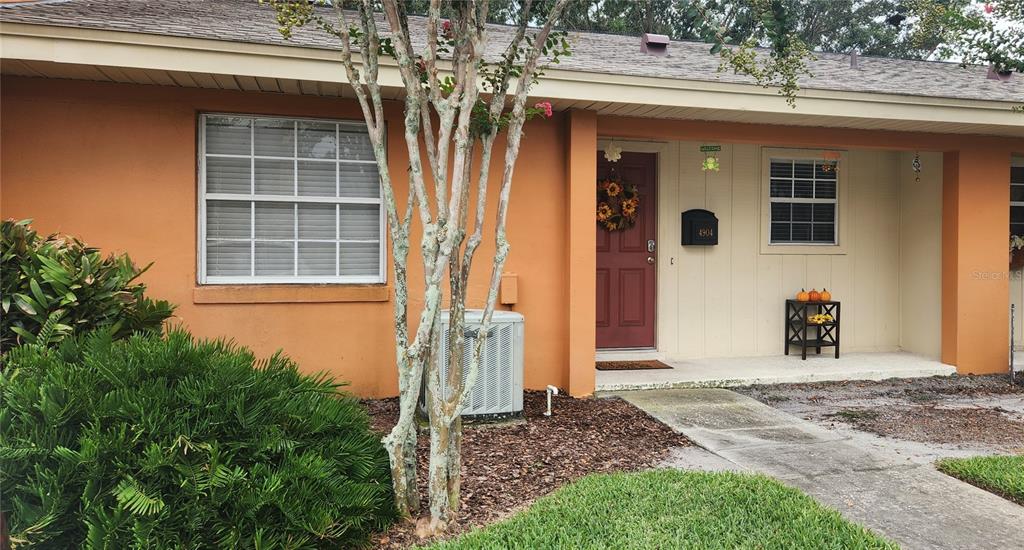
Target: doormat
(631, 365)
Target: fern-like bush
(52, 287)
(169, 442)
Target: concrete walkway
(910, 503)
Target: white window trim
(841, 201)
(203, 197)
(1016, 161)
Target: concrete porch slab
(780, 369)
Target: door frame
(667, 227)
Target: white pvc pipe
(552, 390)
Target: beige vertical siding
(727, 300)
(921, 255)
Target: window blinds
(289, 200)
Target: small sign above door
(700, 227)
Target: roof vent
(1002, 76)
(654, 44)
(854, 60)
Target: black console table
(801, 332)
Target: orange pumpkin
(826, 296)
(814, 295)
(803, 296)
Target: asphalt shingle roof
(247, 21)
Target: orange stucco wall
(581, 261)
(116, 165)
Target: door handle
(650, 246)
(650, 259)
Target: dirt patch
(978, 412)
(909, 389)
(506, 467)
(932, 424)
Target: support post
(581, 255)
(975, 259)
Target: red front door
(626, 261)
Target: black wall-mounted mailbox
(700, 227)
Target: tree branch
(518, 118)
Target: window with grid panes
(288, 200)
(1017, 200)
(803, 197)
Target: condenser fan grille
(499, 386)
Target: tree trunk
(400, 447)
(455, 464)
(440, 454)
(412, 496)
(435, 398)
(438, 391)
(402, 455)
(445, 472)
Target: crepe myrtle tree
(456, 104)
(989, 33)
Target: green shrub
(56, 286)
(168, 442)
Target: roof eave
(106, 48)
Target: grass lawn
(1002, 475)
(672, 509)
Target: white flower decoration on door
(612, 152)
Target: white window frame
(803, 200)
(841, 201)
(1016, 162)
(253, 197)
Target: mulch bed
(630, 365)
(505, 467)
(931, 424)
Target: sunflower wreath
(617, 204)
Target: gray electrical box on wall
(700, 227)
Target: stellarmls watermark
(997, 275)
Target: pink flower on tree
(988, 8)
(546, 106)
